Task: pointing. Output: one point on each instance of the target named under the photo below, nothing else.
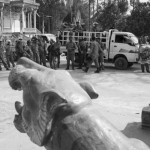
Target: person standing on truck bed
(71, 47)
(93, 55)
(78, 31)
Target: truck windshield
(133, 38)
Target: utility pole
(89, 14)
(43, 30)
(97, 6)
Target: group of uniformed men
(86, 58)
(36, 50)
(6, 55)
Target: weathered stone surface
(58, 112)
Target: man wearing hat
(95, 27)
(2, 56)
(71, 47)
(78, 28)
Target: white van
(47, 37)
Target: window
(120, 39)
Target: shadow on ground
(134, 130)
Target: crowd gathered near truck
(82, 47)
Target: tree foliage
(113, 15)
(52, 11)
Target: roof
(26, 3)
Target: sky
(143, 0)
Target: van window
(120, 39)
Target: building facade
(18, 16)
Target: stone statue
(58, 112)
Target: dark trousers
(43, 59)
(51, 61)
(36, 57)
(70, 57)
(90, 61)
(82, 58)
(143, 66)
(9, 59)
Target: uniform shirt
(71, 47)
(8, 50)
(2, 49)
(94, 49)
(82, 47)
(57, 46)
(144, 52)
(34, 47)
(41, 47)
(78, 29)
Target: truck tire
(121, 63)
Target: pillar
(1, 19)
(22, 21)
(28, 16)
(35, 11)
(10, 17)
(30, 20)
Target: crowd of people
(36, 49)
(88, 53)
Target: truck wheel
(130, 64)
(121, 63)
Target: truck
(120, 48)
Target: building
(18, 17)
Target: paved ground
(123, 94)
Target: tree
(112, 14)
(139, 21)
(52, 12)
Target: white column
(31, 19)
(35, 11)
(1, 20)
(10, 17)
(28, 20)
(22, 13)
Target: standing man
(28, 51)
(56, 47)
(2, 56)
(35, 50)
(19, 48)
(93, 55)
(50, 50)
(9, 54)
(42, 51)
(71, 47)
(82, 48)
(144, 57)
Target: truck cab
(121, 49)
